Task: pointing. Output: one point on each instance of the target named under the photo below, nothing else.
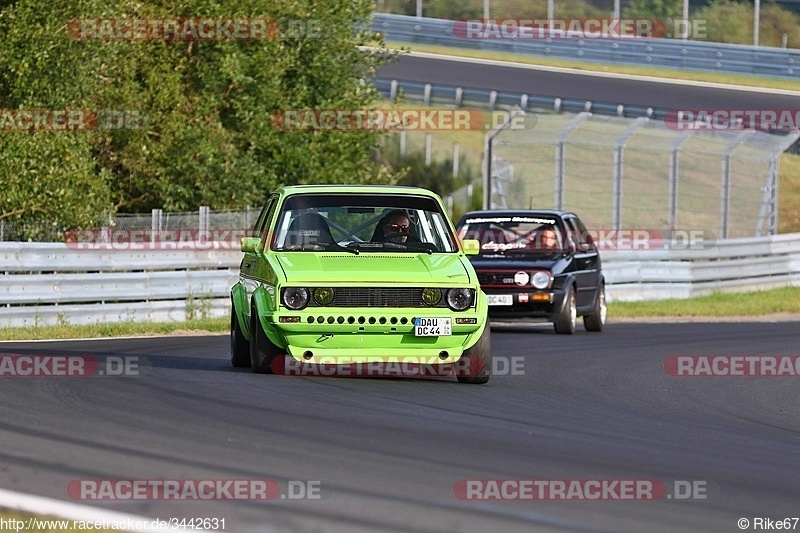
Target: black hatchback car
(538, 265)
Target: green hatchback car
(358, 275)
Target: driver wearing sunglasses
(396, 227)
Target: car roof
(517, 212)
(355, 189)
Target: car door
(586, 259)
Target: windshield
(514, 234)
(362, 223)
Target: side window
(261, 217)
(263, 226)
(582, 237)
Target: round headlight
(295, 298)
(460, 299)
(431, 297)
(541, 280)
(521, 278)
(323, 295)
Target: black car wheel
(475, 365)
(262, 351)
(240, 351)
(597, 319)
(568, 315)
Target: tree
(203, 107)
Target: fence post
(561, 140)
(455, 159)
(725, 193)
(619, 148)
(487, 155)
(427, 149)
(674, 166)
(155, 226)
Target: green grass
(785, 300)
(123, 329)
(713, 77)
(53, 528)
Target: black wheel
(240, 351)
(568, 315)
(597, 319)
(475, 365)
(262, 351)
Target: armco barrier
(50, 283)
(672, 53)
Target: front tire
(262, 351)
(240, 351)
(597, 319)
(475, 365)
(567, 318)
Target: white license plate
(432, 327)
(500, 299)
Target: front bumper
(347, 336)
(544, 303)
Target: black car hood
(526, 261)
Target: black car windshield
(362, 223)
(514, 234)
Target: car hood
(527, 262)
(316, 268)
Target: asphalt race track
(388, 452)
(580, 85)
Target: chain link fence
(638, 173)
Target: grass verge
(784, 300)
(657, 72)
(123, 329)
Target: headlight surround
(460, 299)
(541, 280)
(431, 297)
(295, 298)
(323, 295)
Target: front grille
(377, 297)
(496, 278)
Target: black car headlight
(460, 299)
(295, 298)
(541, 280)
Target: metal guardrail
(732, 265)
(671, 53)
(49, 283)
(56, 283)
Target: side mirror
(471, 246)
(251, 244)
